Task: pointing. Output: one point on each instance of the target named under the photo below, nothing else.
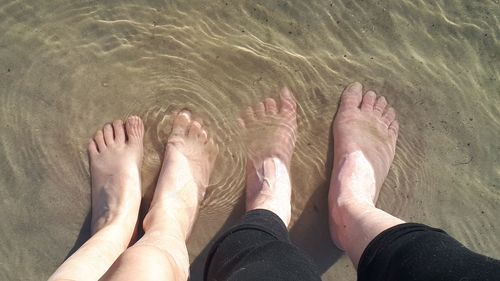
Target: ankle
(272, 189)
(174, 221)
(353, 181)
(345, 216)
(266, 202)
(115, 234)
(126, 224)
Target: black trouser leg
(258, 248)
(420, 253)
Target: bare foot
(115, 155)
(115, 159)
(189, 160)
(273, 132)
(365, 131)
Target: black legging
(259, 248)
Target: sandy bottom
(67, 67)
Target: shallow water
(67, 68)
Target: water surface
(67, 68)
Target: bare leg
(115, 157)
(365, 133)
(161, 254)
(268, 167)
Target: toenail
(354, 86)
(185, 113)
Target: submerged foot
(273, 131)
(365, 131)
(189, 160)
(115, 158)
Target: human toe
(351, 96)
(181, 123)
(119, 131)
(389, 116)
(99, 140)
(93, 151)
(394, 128)
(368, 101)
(195, 129)
(108, 134)
(260, 110)
(135, 129)
(213, 149)
(380, 105)
(248, 116)
(270, 105)
(287, 99)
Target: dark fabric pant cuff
(261, 220)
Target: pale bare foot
(115, 158)
(189, 160)
(115, 155)
(365, 131)
(273, 131)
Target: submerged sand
(66, 68)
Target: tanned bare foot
(115, 158)
(273, 131)
(189, 160)
(365, 132)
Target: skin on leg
(161, 254)
(365, 132)
(269, 156)
(115, 158)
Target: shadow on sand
(83, 235)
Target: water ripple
(66, 68)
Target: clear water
(67, 67)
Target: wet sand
(67, 68)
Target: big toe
(352, 96)
(135, 129)
(181, 123)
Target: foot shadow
(83, 235)
(198, 264)
(311, 231)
